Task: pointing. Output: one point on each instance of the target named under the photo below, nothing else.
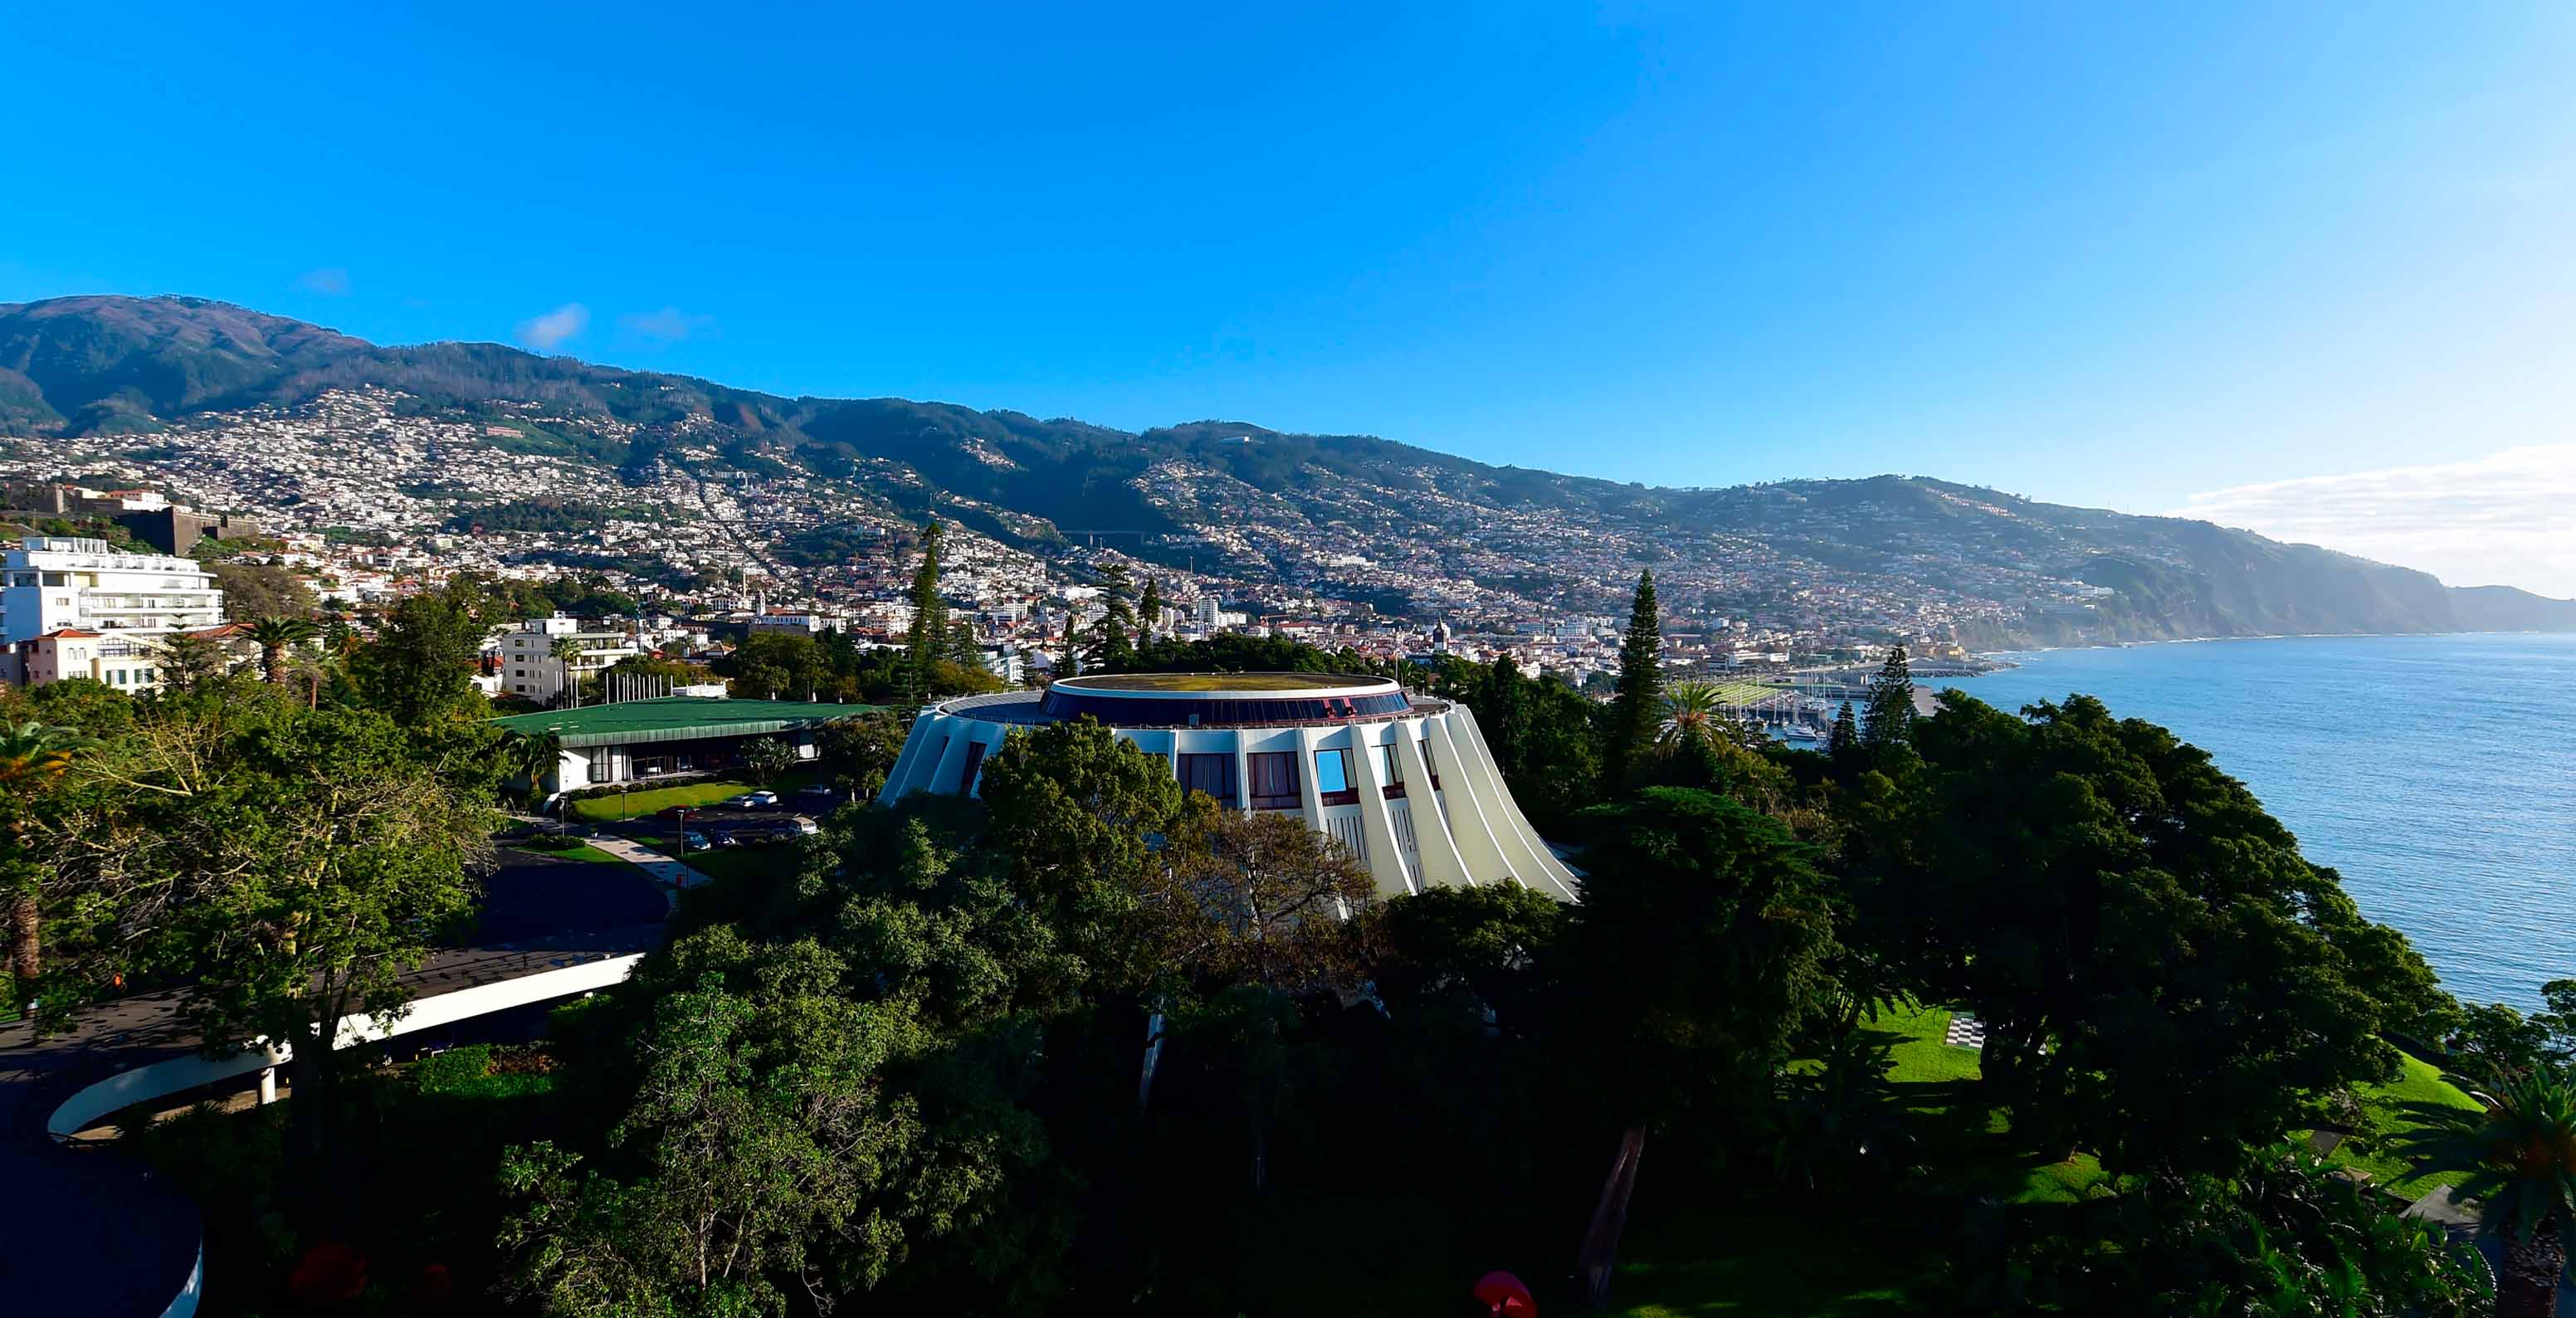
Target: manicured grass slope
(2398, 1109)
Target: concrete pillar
(1546, 872)
(267, 1085)
(1469, 820)
(1377, 818)
(1442, 866)
(899, 778)
(1310, 797)
(952, 761)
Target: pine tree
(1638, 707)
(1111, 636)
(961, 648)
(1889, 707)
(1149, 614)
(929, 613)
(1072, 665)
(1845, 738)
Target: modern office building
(1405, 782)
(49, 583)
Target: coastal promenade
(92, 1233)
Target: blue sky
(2138, 261)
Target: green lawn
(1939, 1081)
(1770, 1265)
(569, 849)
(2396, 1110)
(628, 805)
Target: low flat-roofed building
(672, 736)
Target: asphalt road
(86, 1232)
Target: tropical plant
(1694, 715)
(275, 636)
(530, 758)
(2520, 1156)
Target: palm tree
(532, 756)
(1693, 716)
(566, 650)
(32, 756)
(275, 636)
(2520, 1156)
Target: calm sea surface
(2437, 773)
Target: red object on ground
(329, 1273)
(434, 1285)
(1504, 1294)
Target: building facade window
(1394, 766)
(1212, 774)
(1274, 780)
(1333, 778)
(974, 765)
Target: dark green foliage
(1638, 706)
(1698, 952)
(261, 590)
(2160, 974)
(1845, 736)
(929, 635)
(549, 515)
(1888, 718)
(420, 666)
(2288, 1235)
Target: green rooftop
(1216, 681)
(677, 718)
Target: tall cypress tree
(1072, 665)
(1111, 641)
(929, 633)
(1845, 738)
(1149, 613)
(1889, 706)
(1636, 708)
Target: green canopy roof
(677, 718)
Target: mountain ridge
(98, 367)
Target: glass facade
(1219, 711)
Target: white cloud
(544, 332)
(330, 281)
(668, 325)
(2506, 519)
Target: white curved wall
(1467, 832)
(83, 1109)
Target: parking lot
(766, 818)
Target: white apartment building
(49, 583)
(530, 669)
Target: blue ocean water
(2436, 773)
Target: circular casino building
(1405, 782)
